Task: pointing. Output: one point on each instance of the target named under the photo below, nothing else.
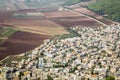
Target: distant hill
(108, 8)
(28, 4)
(71, 2)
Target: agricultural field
(37, 26)
(68, 18)
(92, 14)
(5, 33)
(60, 14)
(21, 42)
(31, 32)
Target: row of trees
(108, 8)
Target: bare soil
(21, 42)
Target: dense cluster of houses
(93, 55)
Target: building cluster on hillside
(94, 55)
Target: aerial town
(59, 40)
(91, 55)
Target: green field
(5, 33)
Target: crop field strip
(5, 33)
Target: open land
(21, 42)
(92, 14)
(31, 31)
(70, 19)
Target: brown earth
(41, 26)
(21, 42)
(59, 14)
(92, 14)
(32, 24)
(75, 21)
(24, 41)
(4, 15)
(70, 19)
(86, 11)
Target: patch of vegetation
(49, 77)
(5, 33)
(60, 65)
(8, 61)
(108, 8)
(110, 78)
(72, 70)
(71, 34)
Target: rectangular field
(70, 19)
(75, 21)
(40, 26)
(59, 14)
(21, 42)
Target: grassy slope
(5, 33)
(108, 8)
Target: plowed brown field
(21, 42)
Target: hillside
(28, 4)
(71, 2)
(108, 8)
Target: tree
(110, 78)
(49, 77)
(107, 8)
